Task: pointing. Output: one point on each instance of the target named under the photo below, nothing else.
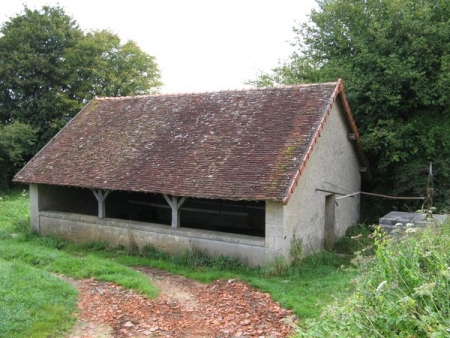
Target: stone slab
(399, 219)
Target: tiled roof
(238, 145)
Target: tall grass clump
(402, 291)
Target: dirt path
(184, 308)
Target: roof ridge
(301, 85)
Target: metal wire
(383, 196)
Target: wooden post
(330, 221)
(175, 204)
(101, 195)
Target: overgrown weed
(358, 237)
(95, 245)
(278, 267)
(402, 291)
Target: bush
(402, 291)
(356, 238)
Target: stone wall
(332, 166)
(82, 228)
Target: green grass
(33, 303)
(81, 266)
(14, 212)
(306, 288)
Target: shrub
(402, 291)
(356, 238)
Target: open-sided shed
(243, 173)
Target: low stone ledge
(82, 228)
(160, 228)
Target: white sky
(200, 45)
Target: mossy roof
(248, 144)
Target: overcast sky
(200, 45)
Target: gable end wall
(332, 166)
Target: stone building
(243, 173)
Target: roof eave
(15, 178)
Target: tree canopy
(394, 59)
(50, 68)
(16, 141)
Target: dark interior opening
(67, 199)
(240, 217)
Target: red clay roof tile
(237, 145)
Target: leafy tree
(50, 68)
(394, 58)
(16, 143)
(130, 71)
(33, 85)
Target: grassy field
(35, 303)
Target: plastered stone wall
(34, 207)
(275, 231)
(332, 166)
(49, 216)
(83, 228)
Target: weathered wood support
(175, 204)
(101, 195)
(330, 221)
